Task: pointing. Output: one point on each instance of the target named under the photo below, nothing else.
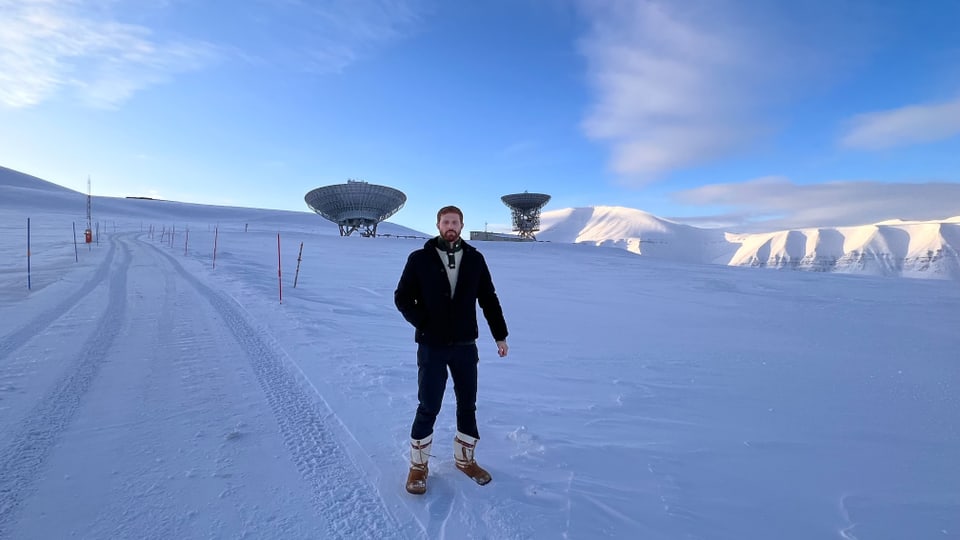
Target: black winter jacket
(423, 297)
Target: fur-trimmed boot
(463, 447)
(419, 455)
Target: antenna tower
(356, 205)
(525, 208)
(89, 214)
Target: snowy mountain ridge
(917, 249)
(897, 248)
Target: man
(438, 293)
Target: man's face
(450, 226)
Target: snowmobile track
(32, 441)
(313, 446)
(26, 332)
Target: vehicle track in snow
(304, 423)
(192, 428)
(38, 324)
(126, 520)
(30, 443)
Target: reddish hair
(449, 210)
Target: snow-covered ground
(146, 394)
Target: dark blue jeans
(432, 363)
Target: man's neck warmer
(451, 255)
(449, 248)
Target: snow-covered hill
(892, 248)
(10, 178)
(24, 192)
(636, 231)
(929, 249)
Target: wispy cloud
(48, 46)
(519, 148)
(678, 84)
(51, 47)
(327, 36)
(773, 203)
(663, 83)
(913, 124)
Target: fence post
(299, 258)
(29, 283)
(279, 277)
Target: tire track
(31, 443)
(314, 447)
(137, 514)
(18, 338)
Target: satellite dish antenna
(525, 208)
(356, 205)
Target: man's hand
(502, 348)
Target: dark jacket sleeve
(490, 304)
(407, 297)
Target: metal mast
(89, 214)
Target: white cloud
(663, 82)
(774, 203)
(679, 84)
(48, 46)
(913, 124)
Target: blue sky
(743, 115)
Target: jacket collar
(434, 243)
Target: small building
(497, 237)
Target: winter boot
(419, 454)
(463, 446)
